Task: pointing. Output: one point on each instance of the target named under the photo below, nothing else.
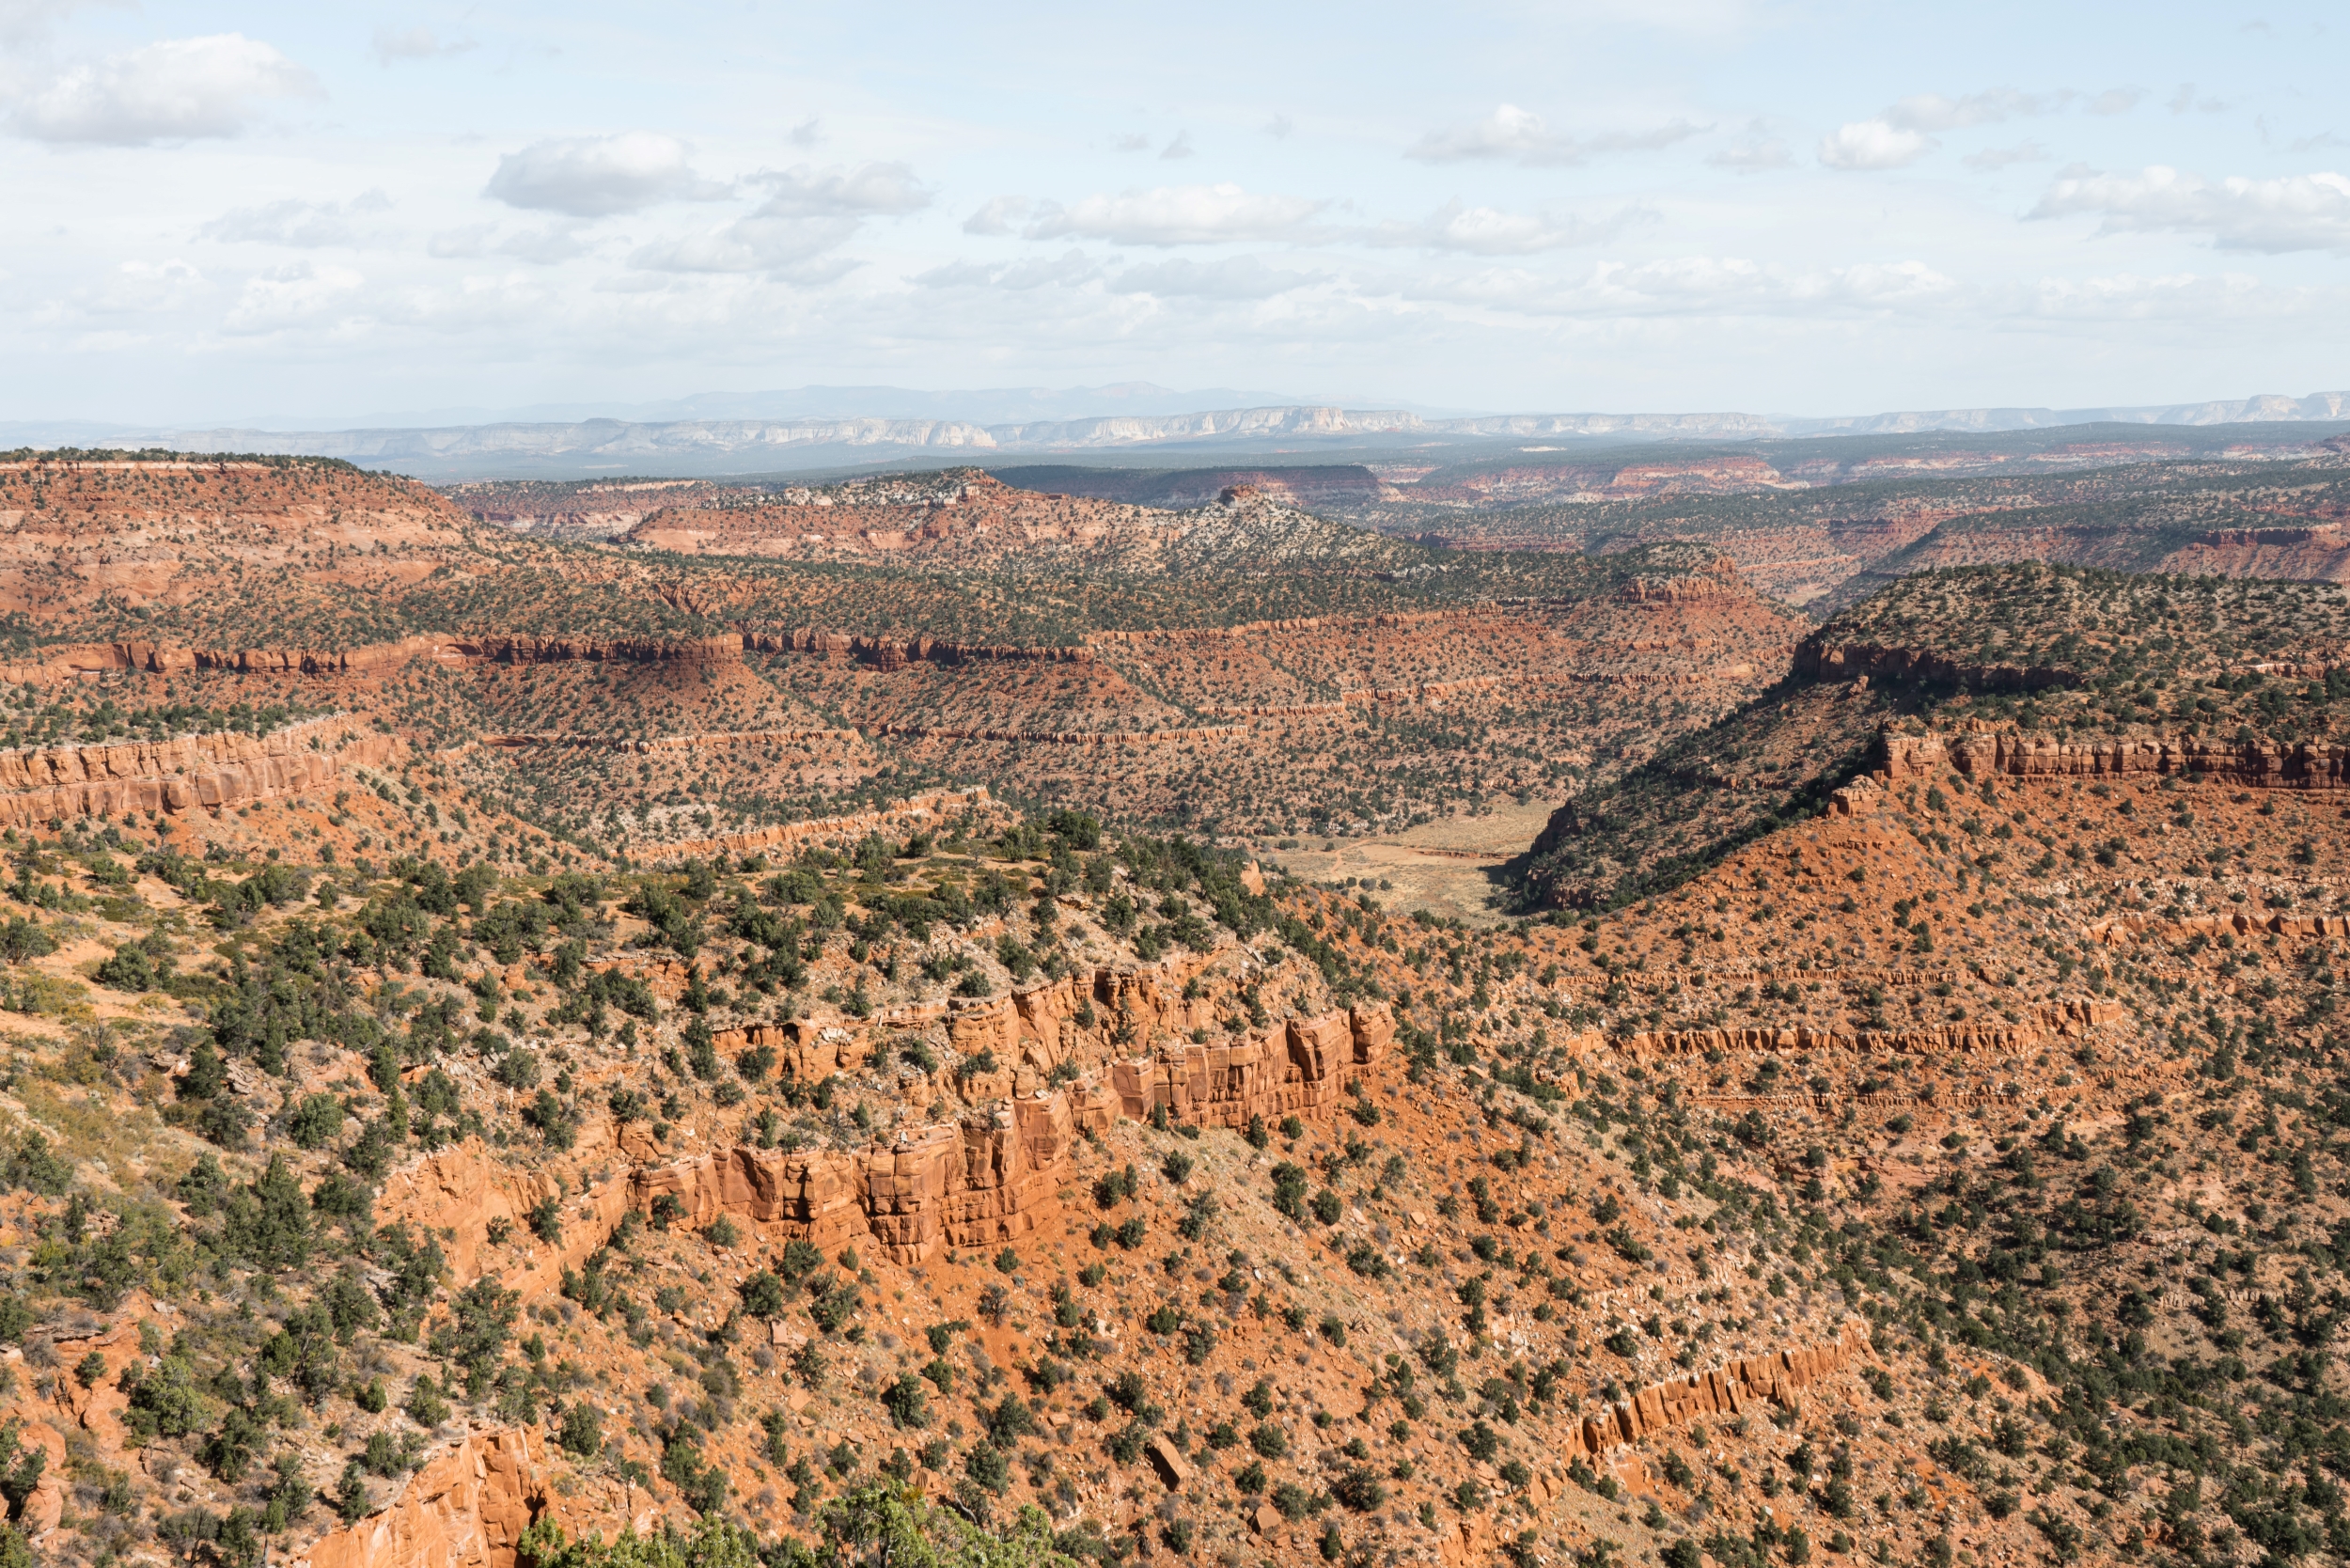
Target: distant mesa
(709, 446)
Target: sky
(222, 211)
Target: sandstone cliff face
(995, 1176)
(989, 1179)
(2010, 755)
(1300, 1069)
(193, 771)
(1718, 579)
(466, 1509)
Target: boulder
(1168, 1460)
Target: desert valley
(1734, 1007)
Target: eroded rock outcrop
(2121, 929)
(2071, 1017)
(1300, 1068)
(191, 771)
(1725, 1390)
(988, 1179)
(2008, 753)
(465, 1509)
(995, 1176)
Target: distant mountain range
(997, 405)
(722, 436)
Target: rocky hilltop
(971, 521)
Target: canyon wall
(208, 771)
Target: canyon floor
(1453, 868)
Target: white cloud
(955, 274)
(594, 176)
(1176, 215)
(461, 244)
(178, 90)
(1520, 135)
(1872, 144)
(2115, 100)
(807, 133)
(1905, 132)
(1179, 146)
(808, 213)
(998, 216)
(1278, 127)
(2183, 101)
(1709, 20)
(1068, 269)
(413, 43)
(886, 190)
(1733, 283)
(1132, 142)
(23, 19)
(1993, 159)
(1490, 231)
(752, 245)
(145, 288)
(1931, 112)
(2128, 296)
(305, 224)
(1698, 288)
(1235, 277)
(293, 296)
(549, 247)
(2299, 211)
(1753, 157)
(816, 273)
